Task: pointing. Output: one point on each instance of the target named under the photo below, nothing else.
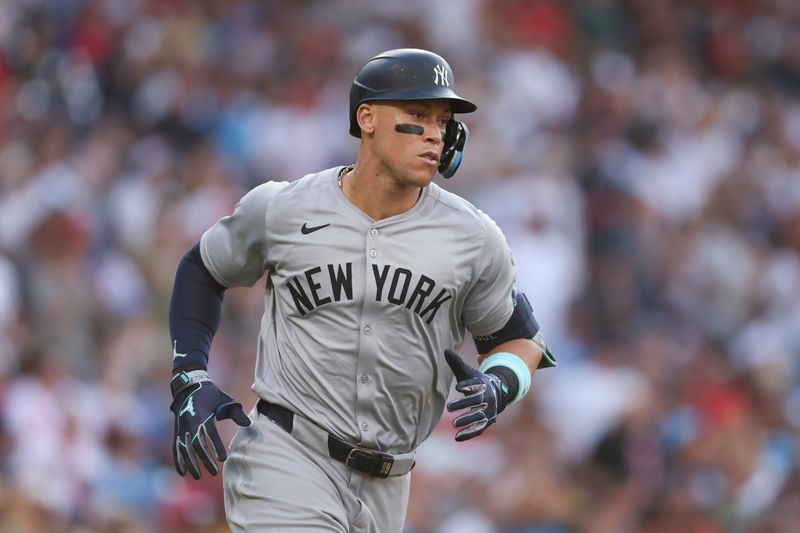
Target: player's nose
(433, 134)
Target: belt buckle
(374, 463)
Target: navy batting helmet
(404, 74)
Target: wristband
(516, 365)
(182, 380)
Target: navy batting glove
(485, 397)
(197, 403)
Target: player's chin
(421, 179)
(423, 175)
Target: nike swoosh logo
(305, 230)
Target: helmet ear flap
(455, 137)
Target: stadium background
(642, 156)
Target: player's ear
(365, 115)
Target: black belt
(370, 462)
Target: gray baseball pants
(274, 483)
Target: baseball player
(375, 273)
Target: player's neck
(378, 195)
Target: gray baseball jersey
(358, 312)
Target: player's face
(410, 157)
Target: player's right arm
(230, 253)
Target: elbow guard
(521, 325)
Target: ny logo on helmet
(441, 76)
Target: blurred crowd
(642, 157)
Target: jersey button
(375, 232)
(364, 378)
(367, 330)
(364, 426)
(373, 253)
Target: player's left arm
(508, 358)
(509, 354)
(525, 349)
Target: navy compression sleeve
(194, 312)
